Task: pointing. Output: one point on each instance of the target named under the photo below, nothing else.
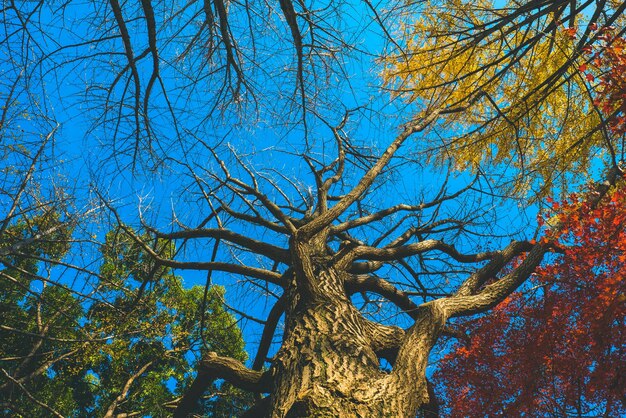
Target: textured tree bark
(328, 365)
(329, 361)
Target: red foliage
(608, 59)
(559, 347)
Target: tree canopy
(513, 79)
(134, 348)
(556, 347)
(351, 187)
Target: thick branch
(234, 372)
(500, 259)
(39, 236)
(121, 24)
(409, 372)
(268, 332)
(380, 286)
(373, 217)
(400, 252)
(258, 273)
(31, 397)
(290, 16)
(365, 267)
(257, 220)
(464, 303)
(269, 276)
(385, 340)
(214, 367)
(496, 292)
(397, 208)
(259, 247)
(152, 42)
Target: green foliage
(133, 343)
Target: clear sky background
(78, 74)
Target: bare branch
(259, 247)
(214, 367)
(362, 252)
(258, 273)
(366, 181)
(397, 208)
(496, 292)
(270, 276)
(380, 286)
(268, 333)
(124, 393)
(498, 261)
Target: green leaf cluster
(128, 344)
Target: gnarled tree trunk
(329, 363)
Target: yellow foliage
(525, 102)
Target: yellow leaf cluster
(524, 102)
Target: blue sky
(96, 152)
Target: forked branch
(213, 367)
(366, 181)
